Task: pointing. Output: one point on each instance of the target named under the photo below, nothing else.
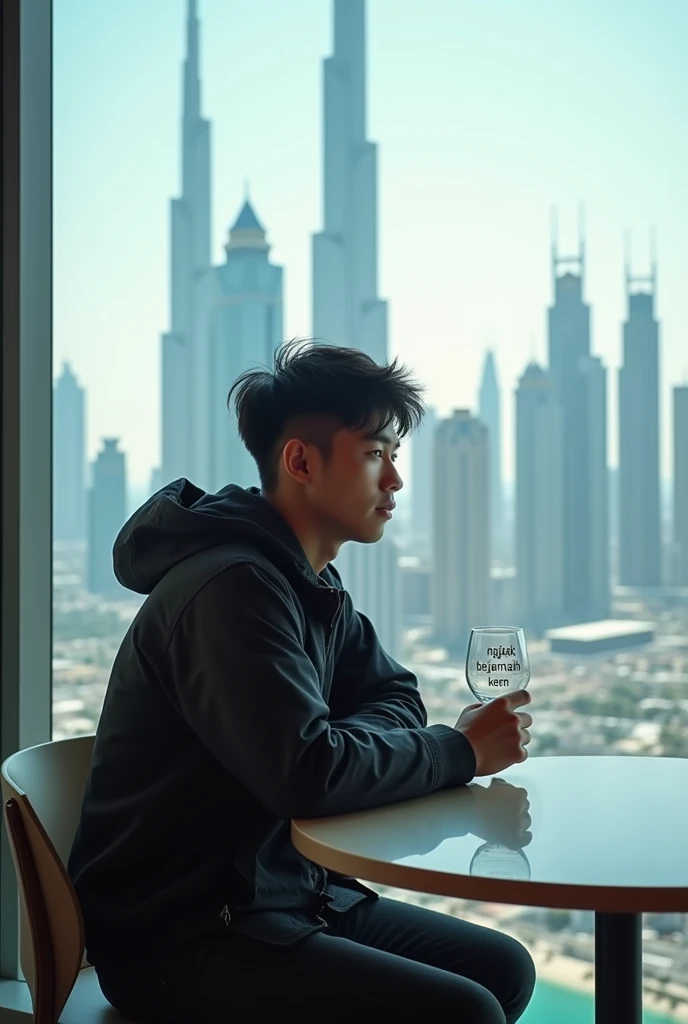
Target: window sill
(86, 1004)
(15, 1002)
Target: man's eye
(378, 451)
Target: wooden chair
(42, 788)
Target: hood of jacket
(181, 520)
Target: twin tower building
(226, 318)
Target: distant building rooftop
(600, 637)
(247, 220)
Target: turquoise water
(554, 1005)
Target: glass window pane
(496, 196)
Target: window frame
(25, 406)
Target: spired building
(190, 255)
(238, 324)
(224, 319)
(460, 589)
(489, 411)
(640, 546)
(580, 382)
(69, 458)
(346, 307)
(107, 515)
(539, 501)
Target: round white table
(608, 834)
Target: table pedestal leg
(618, 969)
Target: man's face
(352, 492)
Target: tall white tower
(580, 380)
(69, 458)
(189, 256)
(490, 412)
(461, 535)
(640, 539)
(346, 307)
(107, 515)
(539, 501)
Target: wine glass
(496, 662)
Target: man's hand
(501, 813)
(498, 734)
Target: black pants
(386, 957)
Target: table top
(589, 833)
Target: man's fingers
(525, 737)
(525, 719)
(517, 699)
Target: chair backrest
(43, 788)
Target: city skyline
(423, 193)
(456, 129)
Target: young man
(249, 691)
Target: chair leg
(43, 992)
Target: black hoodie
(247, 691)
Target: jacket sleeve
(369, 687)
(237, 671)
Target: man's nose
(393, 481)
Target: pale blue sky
(486, 112)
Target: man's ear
(295, 460)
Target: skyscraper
(422, 448)
(238, 309)
(581, 388)
(69, 459)
(640, 548)
(346, 307)
(680, 510)
(539, 501)
(461, 534)
(182, 366)
(107, 515)
(489, 411)
(593, 579)
(372, 575)
(224, 319)
(156, 480)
